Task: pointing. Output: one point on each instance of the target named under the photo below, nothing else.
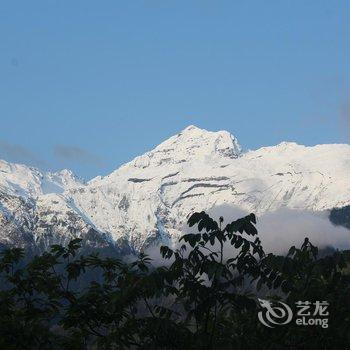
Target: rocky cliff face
(150, 197)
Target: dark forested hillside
(341, 216)
(210, 292)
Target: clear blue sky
(88, 85)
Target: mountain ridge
(148, 198)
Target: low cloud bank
(278, 231)
(281, 229)
(19, 154)
(76, 154)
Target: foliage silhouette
(204, 296)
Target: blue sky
(89, 85)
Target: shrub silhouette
(203, 297)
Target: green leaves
(10, 257)
(194, 301)
(191, 238)
(291, 251)
(245, 224)
(166, 252)
(74, 269)
(204, 221)
(200, 281)
(73, 246)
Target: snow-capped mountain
(150, 197)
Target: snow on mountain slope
(150, 197)
(33, 209)
(24, 181)
(195, 170)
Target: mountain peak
(191, 128)
(192, 143)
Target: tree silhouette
(203, 296)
